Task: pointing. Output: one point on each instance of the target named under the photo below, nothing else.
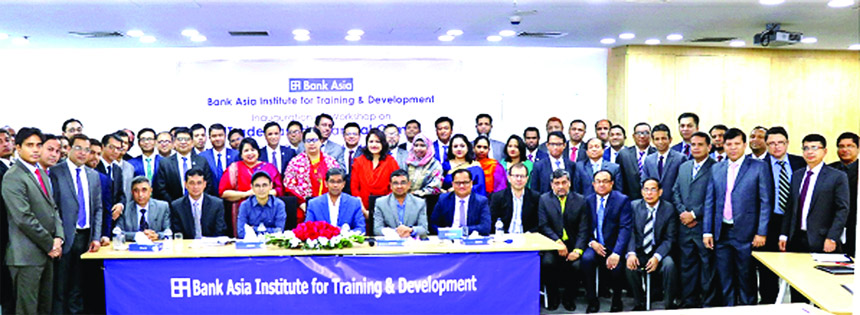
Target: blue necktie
(660, 168)
(82, 209)
(184, 167)
(275, 161)
(220, 166)
(557, 164)
(600, 211)
(463, 213)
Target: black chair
(291, 205)
(431, 201)
(368, 223)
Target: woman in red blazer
(372, 170)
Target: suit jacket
(585, 175)
(400, 156)
(127, 177)
(580, 153)
(796, 162)
(287, 154)
(617, 222)
(498, 149)
(751, 203)
(438, 153)
(538, 155)
(116, 180)
(607, 154)
(689, 196)
(502, 206)
(332, 149)
(628, 162)
(33, 218)
(851, 224)
(140, 165)
(4, 225)
(679, 147)
(107, 205)
(670, 170)
(66, 198)
(541, 176)
(232, 156)
(385, 214)
(349, 211)
(157, 214)
(168, 186)
(477, 217)
(665, 228)
(212, 222)
(576, 219)
(828, 209)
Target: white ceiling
(417, 23)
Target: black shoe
(553, 305)
(593, 306)
(639, 307)
(617, 305)
(569, 305)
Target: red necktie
(41, 183)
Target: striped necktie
(784, 188)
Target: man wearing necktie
(531, 136)
(444, 129)
(718, 152)
(688, 124)
(143, 213)
(351, 137)
(275, 153)
(146, 164)
(219, 156)
(847, 149)
(461, 208)
(169, 182)
(197, 214)
(575, 150)
(663, 164)
(594, 163)
(541, 175)
(632, 160)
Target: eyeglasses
(519, 176)
(113, 147)
(351, 134)
(294, 132)
(776, 144)
(183, 139)
(462, 183)
(812, 148)
(642, 133)
(80, 148)
(72, 129)
(651, 190)
(603, 182)
(146, 139)
(554, 144)
(312, 140)
(164, 141)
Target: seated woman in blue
(263, 208)
(462, 156)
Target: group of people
(693, 211)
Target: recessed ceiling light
(771, 2)
(4, 36)
(190, 32)
(507, 33)
(455, 32)
(607, 41)
(652, 41)
(134, 33)
(854, 47)
(352, 38)
(494, 38)
(627, 36)
(737, 43)
(355, 32)
(198, 38)
(20, 41)
(302, 38)
(301, 32)
(809, 40)
(147, 39)
(674, 37)
(840, 3)
(446, 38)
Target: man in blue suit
(663, 164)
(220, 156)
(611, 223)
(737, 210)
(587, 168)
(688, 123)
(542, 172)
(146, 164)
(275, 153)
(336, 207)
(531, 136)
(444, 130)
(617, 136)
(461, 208)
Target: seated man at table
(516, 205)
(400, 210)
(263, 208)
(336, 207)
(197, 214)
(461, 208)
(144, 214)
(564, 218)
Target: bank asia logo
(180, 287)
(321, 85)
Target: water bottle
(500, 227)
(167, 236)
(261, 229)
(118, 239)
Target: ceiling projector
(774, 36)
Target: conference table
(821, 288)
(420, 277)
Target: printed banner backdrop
(246, 87)
(485, 283)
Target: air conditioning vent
(542, 34)
(249, 33)
(96, 34)
(712, 39)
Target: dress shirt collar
(146, 206)
(193, 201)
(31, 167)
(654, 208)
(464, 199)
(815, 170)
(180, 156)
(73, 168)
(739, 162)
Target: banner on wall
(486, 283)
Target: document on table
(831, 258)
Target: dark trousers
(665, 278)
(557, 273)
(68, 297)
(734, 266)
(697, 269)
(33, 288)
(768, 282)
(799, 243)
(593, 265)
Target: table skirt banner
(497, 283)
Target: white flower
(336, 239)
(313, 243)
(289, 235)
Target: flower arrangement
(316, 235)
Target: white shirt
(107, 165)
(556, 163)
(697, 166)
(8, 162)
(85, 187)
(333, 209)
(613, 154)
(760, 157)
(534, 154)
(181, 167)
(277, 157)
(516, 225)
(809, 191)
(145, 215)
(456, 222)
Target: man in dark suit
(35, 229)
(274, 152)
(146, 164)
(444, 129)
(569, 226)
(575, 148)
(197, 214)
(631, 160)
(351, 150)
(586, 169)
(688, 123)
(541, 176)
(611, 223)
(737, 210)
(780, 165)
(531, 136)
(461, 208)
(77, 193)
(111, 148)
(655, 228)
(169, 180)
(552, 124)
(696, 261)
(617, 136)
(516, 205)
(219, 156)
(847, 144)
(663, 164)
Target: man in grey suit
(663, 164)
(483, 126)
(35, 228)
(144, 214)
(586, 169)
(324, 122)
(125, 166)
(696, 261)
(400, 210)
(632, 160)
(78, 194)
(392, 136)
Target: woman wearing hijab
(425, 172)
